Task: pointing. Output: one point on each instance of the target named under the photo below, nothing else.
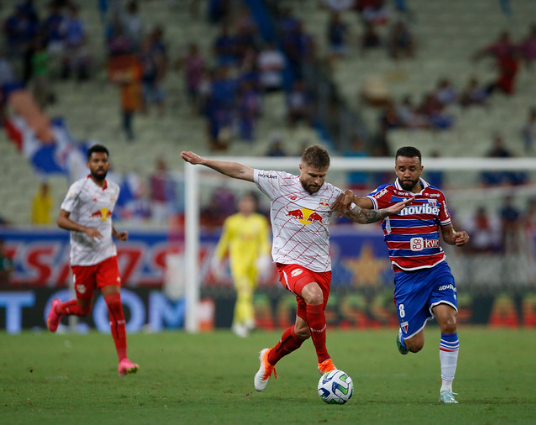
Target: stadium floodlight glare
(290, 164)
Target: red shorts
(294, 278)
(88, 278)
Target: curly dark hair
(409, 152)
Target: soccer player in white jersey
(87, 213)
(424, 285)
(300, 215)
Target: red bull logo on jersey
(420, 209)
(103, 214)
(305, 216)
(323, 203)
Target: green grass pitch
(208, 379)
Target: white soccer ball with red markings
(335, 387)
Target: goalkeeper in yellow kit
(245, 237)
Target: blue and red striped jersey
(413, 235)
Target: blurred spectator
(433, 110)
(221, 206)
(76, 58)
(498, 150)
(133, 23)
(153, 68)
(249, 109)
(162, 192)
(495, 178)
(502, 46)
(225, 47)
(51, 29)
(6, 266)
(299, 105)
(42, 205)
(338, 6)
(357, 180)
(246, 34)
(40, 74)
(218, 10)
(446, 93)
(300, 48)
(510, 225)
(275, 149)
(336, 33)
(408, 116)
(370, 39)
(220, 107)
(117, 40)
(20, 29)
(474, 94)
(373, 11)
(401, 43)
(508, 68)
(271, 64)
(485, 232)
(527, 47)
(194, 66)
(127, 76)
(529, 131)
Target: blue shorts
(416, 293)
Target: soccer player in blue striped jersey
(424, 285)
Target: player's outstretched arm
(365, 216)
(231, 169)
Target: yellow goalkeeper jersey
(245, 238)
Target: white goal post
(290, 164)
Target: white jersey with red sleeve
(299, 220)
(412, 236)
(92, 206)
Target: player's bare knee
(312, 294)
(448, 326)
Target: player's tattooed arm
(365, 216)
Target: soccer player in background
(300, 214)
(87, 213)
(424, 285)
(245, 238)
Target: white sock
(448, 357)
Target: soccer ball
(335, 387)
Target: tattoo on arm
(365, 216)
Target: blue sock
(449, 342)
